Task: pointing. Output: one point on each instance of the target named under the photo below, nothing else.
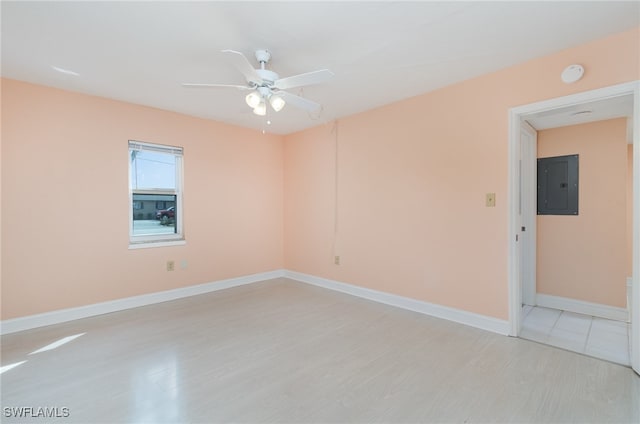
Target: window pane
(151, 170)
(147, 220)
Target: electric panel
(558, 185)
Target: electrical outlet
(336, 260)
(491, 200)
(184, 264)
(171, 265)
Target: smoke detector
(572, 73)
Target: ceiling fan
(266, 86)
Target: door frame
(516, 116)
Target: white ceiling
(380, 52)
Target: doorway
(522, 157)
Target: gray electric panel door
(558, 185)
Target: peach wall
(412, 178)
(65, 200)
(584, 257)
(411, 182)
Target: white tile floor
(593, 336)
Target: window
(155, 195)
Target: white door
(528, 212)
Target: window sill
(151, 244)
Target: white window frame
(158, 240)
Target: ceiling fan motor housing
(268, 77)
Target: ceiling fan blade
(205, 85)
(315, 77)
(298, 101)
(243, 65)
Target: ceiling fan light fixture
(264, 85)
(253, 99)
(277, 102)
(260, 109)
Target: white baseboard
(582, 307)
(70, 314)
(629, 295)
(483, 322)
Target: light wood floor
(282, 351)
